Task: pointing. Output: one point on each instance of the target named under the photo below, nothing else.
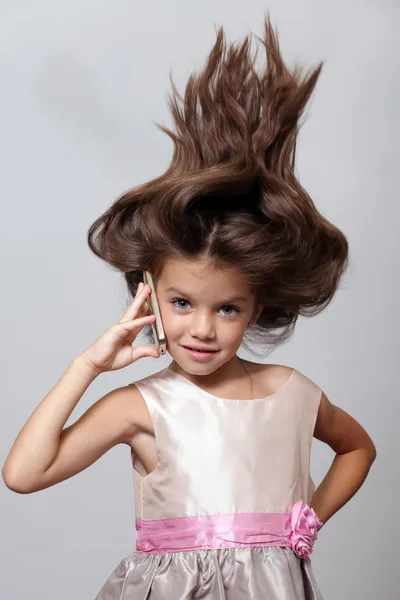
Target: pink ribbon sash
(297, 530)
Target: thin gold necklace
(251, 383)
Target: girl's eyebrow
(234, 299)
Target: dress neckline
(219, 399)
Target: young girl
(225, 505)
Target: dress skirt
(256, 573)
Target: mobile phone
(157, 326)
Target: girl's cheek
(170, 321)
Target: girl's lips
(200, 350)
(200, 355)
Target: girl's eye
(235, 309)
(179, 300)
(185, 301)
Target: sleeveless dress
(225, 514)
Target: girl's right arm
(45, 453)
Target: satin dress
(225, 515)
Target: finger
(145, 309)
(135, 322)
(124, 327)
(135, 307)
(133, 333)
(142, 351)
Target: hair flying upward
(230, 194)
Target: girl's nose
(202, 327)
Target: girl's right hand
(113, 350)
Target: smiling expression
(203, 308)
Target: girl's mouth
(198, 349)
(200, 354)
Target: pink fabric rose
(305, 526)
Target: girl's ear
(257, 312)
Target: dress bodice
(223, 456)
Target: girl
(225, 505)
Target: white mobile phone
(156, 326)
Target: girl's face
(205, 309)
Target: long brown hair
(230, 194)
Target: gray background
(81, 83)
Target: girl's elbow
(14, 483)
(371, 452)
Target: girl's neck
(233, 372)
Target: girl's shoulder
(274, 372)
(269, 378)
(273, 377)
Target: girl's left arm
(355, 453)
